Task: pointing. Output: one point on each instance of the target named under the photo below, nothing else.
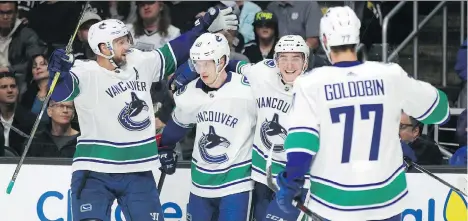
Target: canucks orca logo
(209, 142)
(128, 116)
(270, 130)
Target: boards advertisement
(42, 193)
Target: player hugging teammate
(116, 150)
(358, 176)
(271, 82)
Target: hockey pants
(235, 207)
(93, 193)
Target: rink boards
(41, 193)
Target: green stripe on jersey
(302, 140)
(75, 92)
(116, 153)
(367, 197)
(203, 178)
(440, 110)
(170, 62)
(260, 162)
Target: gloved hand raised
(167, 157)
(59, 61)
(216, 19)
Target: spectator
(246, 11)
(266, 36)
(81, 49)
(152, 28)
(58, 139)
(459, 158)
(230, 36)
(189, 10)
(12, 114)
(18, 43)
(125, 11)
(427, 152)
(54, 21)
(298, 18)
(37, 79)
(460, 68)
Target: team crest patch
(211, 142)
(273, 134)
(134, 116)
(245, 81)
(270, 63)
(181, 90)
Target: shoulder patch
(181, 90)
(245, 81)
(270, 63)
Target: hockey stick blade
(423, 170)
(44, 106)
(297, 202)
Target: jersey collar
(205, 88)
(346, 64)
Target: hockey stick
(410, 164)
(68, 50)
(161, 182)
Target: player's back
(358, 107)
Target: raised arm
(423, 101)
(176, 52)
(68, 85)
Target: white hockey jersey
(273, 104)
(115, 112)
(348, 117)
(225, 119)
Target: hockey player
(117, 150)
(221, 104)
(272, 83)
(345, 119)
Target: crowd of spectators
(30, 30)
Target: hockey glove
(60, 62)
(288, 191)
(167, 157)
(216, 19)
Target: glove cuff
(292, 184)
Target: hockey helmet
(210, 46)
(105, 32)
(339, 26)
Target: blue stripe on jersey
(116, 163)
(248, 179)
(106, 142)
(428, 111)
(222, 170)
(304, 128)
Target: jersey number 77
(349, 112)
